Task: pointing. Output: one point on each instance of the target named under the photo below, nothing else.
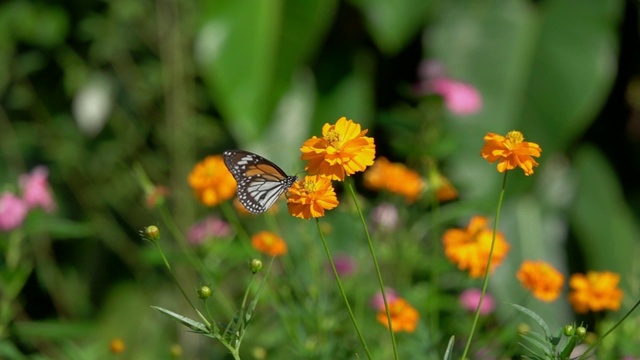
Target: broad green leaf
(392, 24)
(603, 224)
(572, 69)
(248, 50)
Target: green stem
(593, 346)
(175, 279)
(488, 270)
(344, 295)
(377, 267)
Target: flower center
(309, 186)
(332, 136)
(515, 137)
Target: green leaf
(572, 71)
(190, 323)
(449, 352)
(535, 317)
(248, 51)
(392, 24)
(605, 227)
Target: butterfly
(260, 181)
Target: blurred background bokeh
(101, 91)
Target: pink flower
(345, 264)
(460, 98)
(210, 227)
(377, 302)
(35, 189)
(469, 300)
(12, 211)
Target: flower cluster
(342, 150)
(542, 279)
(211, 182)
(469, 248)
(404, 317)
(395, 178)
(35, 194)
(595, 291)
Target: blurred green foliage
(93, 88)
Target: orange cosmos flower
(269, 243)
(403, 316)
(310, 197)
(341, 151)
(212, 183)
(469, 248)
(512, 151)
(596, 291)
(394, 177)
(544, 281)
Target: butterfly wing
(260, 181)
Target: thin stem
(485, 282)
(175, 279)
(593, 346)
(344, 295)
(377, 267)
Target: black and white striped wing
(260, 181)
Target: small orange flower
(596, 291)
(310, 197)
(341, 151)
(212, 183)
(544, 281)
(403, 316)
(394, 177)
(269, 243)
(469, 248)
(116, 346)
(512, 151)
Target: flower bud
(151, 233)
(581, 331)
(204, 292)
(569, 330)
(255, 265)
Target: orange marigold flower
(469, 248)
(403, 316)
(544, 281)
(269, 243)
(512, 151)
(394, 177)
(212, 183)
(310, 197)
(596, 291)
(341, 151)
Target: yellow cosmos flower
(446, 191)
(597, 291)
(403, 316)
(212, 183)
(469, 248)
(311, 196)
(269, 243)
(341, 151)
(511, 151)
(544, 281)
(394, 177)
